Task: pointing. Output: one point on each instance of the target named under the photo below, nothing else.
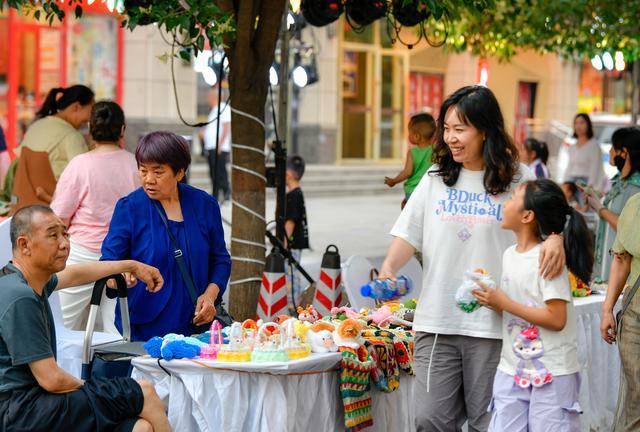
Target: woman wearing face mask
(624, 155)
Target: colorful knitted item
(355, 388)
(385, 374)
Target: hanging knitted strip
(385, 374)
(355, 388)
(403, 343)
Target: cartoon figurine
(309, 314)
(527, 346)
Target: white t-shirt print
(457, 228)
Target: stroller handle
(96, 297)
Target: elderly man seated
(35, 394)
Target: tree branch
(268, 29)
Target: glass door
(392, 106)
(357, 107)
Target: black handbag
(625, 305)
(222, 316)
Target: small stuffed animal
(465, 300)
(347, 312)
(348, 334)
(320, 337)
(527, 346)
(280, 319)
(310, 314)
(382, 317)
(173, 346)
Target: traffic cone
(329, 286)
(273, 291)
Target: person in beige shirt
(55, 131)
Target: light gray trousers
(454, 381)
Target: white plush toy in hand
(464, 297)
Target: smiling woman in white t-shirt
(537, 384)
(453, 217)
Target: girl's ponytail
(578, 245)
(555, 216)
(50, 105)
(60, 98)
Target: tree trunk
(250, 57)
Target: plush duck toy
(348, 334)
(320, 337)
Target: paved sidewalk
(358, 225)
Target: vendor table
(600, 366)
(303, 395)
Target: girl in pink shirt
(85, 197)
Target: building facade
(369, 87)
(95, 51)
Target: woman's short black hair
(107, 121)
(477, 106)
(60, 98)
(628, 138)
(586, 118)
(164, 148)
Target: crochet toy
(320, 337)
(173, 346)
(342, 313)
(381, 317)
(269, 344)
(280, 319)
(238, 349)
(348, 334)
(528, 347)
(578, 287)
(310, 314)
(464, 297)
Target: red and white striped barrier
(329, 286)
(273, 291)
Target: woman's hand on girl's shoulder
(552, 257)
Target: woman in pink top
(85, 197)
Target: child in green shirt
(422, 127)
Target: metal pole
(280, 144)
(635, 94)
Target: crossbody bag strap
(628, 298)
(179, 257)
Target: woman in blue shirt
(138, 231)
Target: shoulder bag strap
(628, 298)
(179, 257)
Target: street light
(596, 62)
(274, 73)
(620, 64)
(607, 60)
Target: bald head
(22, 221)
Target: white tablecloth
(600, 366)
(301, 395)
